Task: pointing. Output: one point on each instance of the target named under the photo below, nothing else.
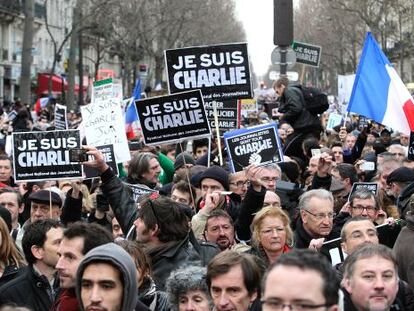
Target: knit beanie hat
(179, 160)
(217, 173)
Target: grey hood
(117, 256)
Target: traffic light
(283, 22)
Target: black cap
(179, 160)
(44, 196)
(401, 174)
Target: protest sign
(105, 89)
(370, 186)
(105, 125)
(362, 122)
(61, 122)
(12, 115)
(172, 118)
(258, 145)
(307, 54)
(247, 105)
(334, 120)
(109, 156)
(45, 155)
(228, 114)
(139, 190)
(221, 72)
(411, 147)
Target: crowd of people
(292, 235)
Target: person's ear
(304, 216)
(344, 247)
(346, 283)
(37, 252)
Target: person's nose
(95, 295)
(189, 306)
(60, 264)
(224, 301)
(364, 212)
(275, 233)
(379, 283)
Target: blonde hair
(275, 212)
(9, 255)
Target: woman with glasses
(272, 235)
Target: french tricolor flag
(379, 93)
(131, 112)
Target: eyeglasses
(279, 305)
(360, 208)
(269, 179)
(240, 184)
(320, 216)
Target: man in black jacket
(160, 223)
(292, 108)
(37, 288)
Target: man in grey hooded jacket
(107, 280)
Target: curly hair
(184, 280)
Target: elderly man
(316, 220)
(300, 280)
(45, 204)
(401, 186)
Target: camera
(102, 203)
(78, 155)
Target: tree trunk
(159, 67)
(80, 58)
(25, 81)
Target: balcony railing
(11, 6)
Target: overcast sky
(257, 18)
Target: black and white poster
(45, 155)
(109, 156)
(411, 147)
(61, 122)
(139, 190)
(221, 72)
(255, 145)
(370, 186)
(173, 118)
(228, 114)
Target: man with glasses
(269, 175)
(300, 280)
(316, 220)
(238, 183)
(364, 203)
